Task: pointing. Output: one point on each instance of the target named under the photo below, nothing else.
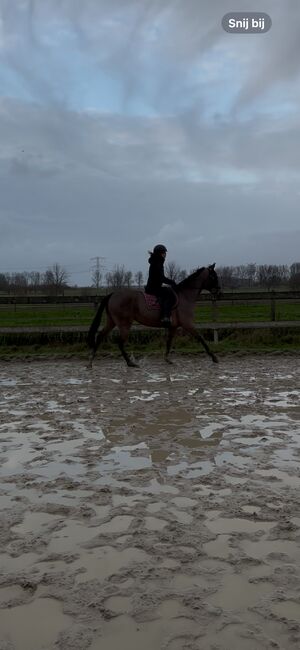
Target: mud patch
(150, 508)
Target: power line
(97, 269)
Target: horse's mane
(184, 284)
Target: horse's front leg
(122, 338)
(194, 332)
(171, 334)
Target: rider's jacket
(156, 275)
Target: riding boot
(165, 315)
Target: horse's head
(212, 283)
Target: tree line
(56, 278)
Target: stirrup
(166, 321)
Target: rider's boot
(166, 316)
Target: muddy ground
(152, 508)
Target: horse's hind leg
(100, 338)
(122, 338)
(194, 332)
(171, 334)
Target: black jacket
(156, 275)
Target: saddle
(152, 302)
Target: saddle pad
(151, 301)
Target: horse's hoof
(215, 359)
(169, 361)
(131, 364)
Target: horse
(124, 306)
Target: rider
(156, 279)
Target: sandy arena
(149, 509)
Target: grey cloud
(121, 187)
(74, 185)
(130, 39)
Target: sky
(128, 123)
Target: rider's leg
(166, 301)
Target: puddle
(55, 469)
(235, 480)
(155, 487)
(33, 522)
(8, 382)
(184, 502)
(152, 523)
(118, 604)
(227, 457)
(123, 631)
(155, 507)
(238, 593)
(126, 500)
(235, 525)
(287, 609)
(70, 536)
(84, 429)
(18, 458)
(287, 479)
(146, 396)
(116, 525)
(8, 563)
(219, 547)
(170, 564)
(100, 563)
(185, 582)
(193, 470)
(24, 626)
(263, 548)
(251, 510)
(75, 382)
(181, 517)
(119, 459)
(231, 637)
(8, 594)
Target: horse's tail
(91, 337)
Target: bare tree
(96, 278)
(4, 282)
(173, 271)
(271, 275)
(128, 278)
(55, 279)
(35, 280)
(19, 282)
(250, 274)
(226, 274)
(139, 278)
(117, 278)
(181, 275)
(295, 275)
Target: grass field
(72, 344)
(29, 316)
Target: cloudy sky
(126, 123)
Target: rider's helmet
(159, 248)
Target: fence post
(215, 319)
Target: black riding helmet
(159, 248)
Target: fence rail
(235, 296)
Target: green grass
(238, 313)
(35, 316)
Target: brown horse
(127, 305)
